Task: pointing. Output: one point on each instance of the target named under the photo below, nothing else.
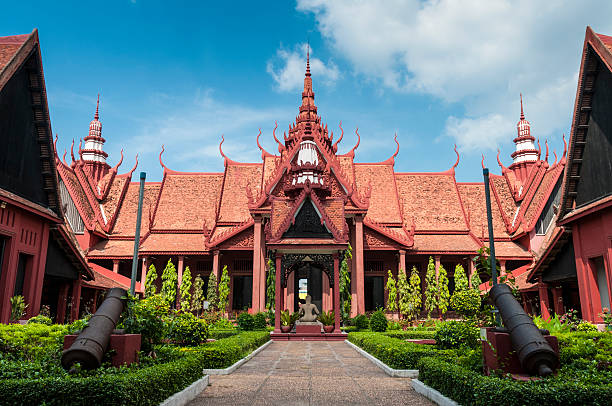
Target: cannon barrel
(533, 351)
(90, 345)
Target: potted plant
(328, 319)
(286, 321)
(18, 309)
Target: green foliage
(150, 288)
(443, 293)
(431, 288)
(585, 326)
(185, 289)
(461, 279)
(224, 289)
(271, 286)
(411, 334)
(211, 293)
(260, 321)
(403, 293)
(198, 295)
(345, 284)
(169, 281)
(41, 320)
(393, 325)
(457, 334)
(395, 352)
(391, 289)
(30, 342)
(476, 281)
(466, 302)
(225, 352)
(18, 307)
(245, 321)
(378, 321)
(146, 317)
(362, 322)
(414, 294)
(289, 319)
(327, 318)
(607, 318)
(188, 329)
(553, 325)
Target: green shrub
(18, 307)
(411, 334)
(585, 326)
(361, 322)
(466, 302)
(146, 317)
(223, 353)
(327, 318)
(397, 353)
(219, 334)
(456, 334)
(260, 321)
(245, 321)
(378, 321)
(30, 342)
(393, 325)
(40, 319)
(188, 329)
(220, 323)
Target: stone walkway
(309, 373)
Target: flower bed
(30, 372)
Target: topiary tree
(345, 285)
(378, 321)
(476, 280)
(403, 291)
(224, 290)
(391, 290)
(431, 290)
(185, 289)
(150, 288)
(169, 281)
(443, 293)
(461, 279)
(270, 286)
(211, 292)
(198, 295)
(414, 294)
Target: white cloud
(289, 66)
(475, 53)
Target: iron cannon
(91, 344)
(534, 353)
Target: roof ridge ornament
(118, 163)
(546, 142)
(264, 153)
(72, 153)
(351, 153)
(456, 163)
(335, 146)
(281, 147)
(482, 162)
(160, 159)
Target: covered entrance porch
(308, 272)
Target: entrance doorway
(308, 281)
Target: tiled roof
(125, 224)
(473, 197)
(110, 204)
(606, 39)
(174, 242)
(509, 249)
(432, 200)
(280, 210)
(504, 194)
(187, 201)
(9, 46)
(335, 210)
(346, 163)
(541, 196)
(106, 279)
(112, 248)
(78, 194)
(268, 169)
(384, 207)
(234, 201)
(444, 243)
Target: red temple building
(301, 206)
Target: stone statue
(308, 311)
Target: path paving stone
(308, 373)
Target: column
(115, 265)
(95, 301)
(35, 291)
(471, 270)
(359, 274)
(263, 281)
(277, 294)
(291, 292)
(62, 297)
(437, 259)
(544, 302)
(558, 300)
(76, 299)
(327, 306)
(216, 265)
(143, 273)
(256, 263)
(181, 265)
(586, 304)
(502, 265)
(353, 267)
(337, 292)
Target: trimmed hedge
(146, 386)
(468, 388)
(220, 334)
(396, 353)
(411, 334)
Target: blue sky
(435, 72)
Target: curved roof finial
(503, 168)
(264, 153)
(555, 154)
(482, 162)
(397, 149)
(64, 157)
(564, 147)
(160, 158)
(72, 152)
(55, 143)
(136, 164)
(335, 146)
(281, 147)
(352, 151)
(118, 163)
(539, 149)
(546, 157)
(456, 163)
(225, 158)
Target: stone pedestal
(307, 328)
(125, 346)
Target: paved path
(309, 373)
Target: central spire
(308, 109)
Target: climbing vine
(271, 286)
(345, 284)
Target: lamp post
(485, 173)
(143, 175)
